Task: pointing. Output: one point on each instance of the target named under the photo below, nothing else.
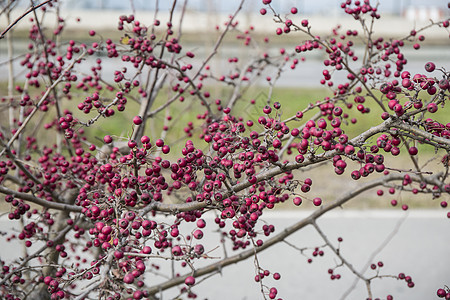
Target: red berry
(145, 139)
(429, 67)
(189, 280)
(317, 201)
(128, 278)
(137, 120)
(165, 149)
(107, 139)
(413, 151)
(441, 293)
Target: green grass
(291, 99)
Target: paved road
(419, 249)
(306, 74)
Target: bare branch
(41, 202)
(33, 8)
(287, 231)
(43, 98)
(344, 261)
(35, 254)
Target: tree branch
(444, 143)
(34, 255)
(40, 201)
(2, 35)
(43, 98)
(287, 231)
(343, 260)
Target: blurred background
(400, 7)
(420, 249)
(203, 17)
(400, 15)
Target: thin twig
(2, 35)
(40, 201)
(343, 260)
(374, 254)
(38, 105)
(34, 255)
(288, 231)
